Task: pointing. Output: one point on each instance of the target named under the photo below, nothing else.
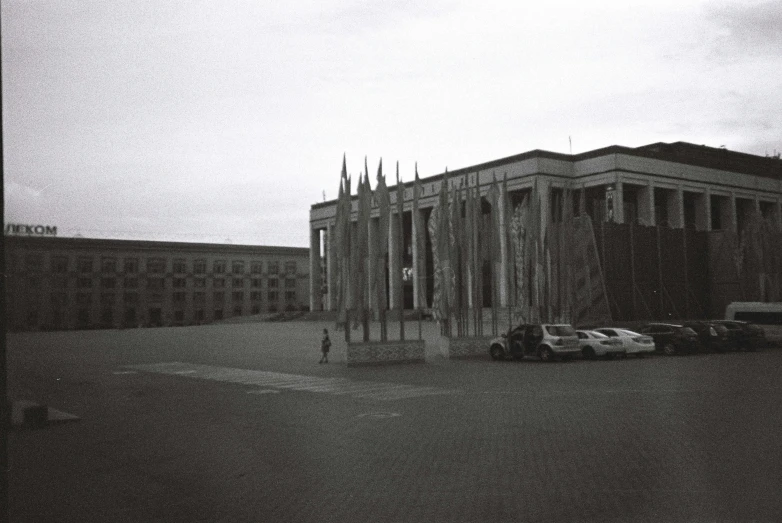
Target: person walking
(325, 345)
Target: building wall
(672, 185)
(67, 283)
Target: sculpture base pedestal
(469, 347)
(385, 352)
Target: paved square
(240, 423)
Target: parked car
(745, 336)
(595, 345)
(546, 341)
(670, 338)
(634, 343)
(711, 336)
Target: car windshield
(561, 330)
(624, 332)
(687, 330)
(598, 334)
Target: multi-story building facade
(70, 283)
(676, 185)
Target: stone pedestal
(385, 352)
(468, 347)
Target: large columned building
(675, 185)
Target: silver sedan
(594, 345)
(633, 343)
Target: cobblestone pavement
(240, 423)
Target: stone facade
(385, 352)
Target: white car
(633, 343)
(595, 345)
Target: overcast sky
(221, 120)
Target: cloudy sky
(220, 120)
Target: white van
(761, 313)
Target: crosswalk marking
(278, 380)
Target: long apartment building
(79, 283)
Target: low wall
(385, 352)
(469, 347)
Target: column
(503, 263)
(316, 303)
(646, 204)
(675, 204)
(394, 267)
(331, 269)
(619, 201)
(703, 210)
(778, 212)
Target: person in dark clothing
(325, 345)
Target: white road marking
(122, 372)
(277, 380)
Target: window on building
(156, 265)
(238, 310)
(290, 283)
(273, 296)
(218, 314)
(274, 267)
(272, 307)
(84, 283)
(199, 283)
(107, 298)
(179, 316)
(155, 297)
(290, 295)
(131, 283)
(237, 282)
(256, 309)
(130, 297)
(199, 267)
(256, 267)
(84, 265)
(256, 296)
(218, 297)
(108, 283)
(290, 267)
(219, 283)
(33, 262)
(199, 315)
(131, 265)
(60, 282)
(83, 298)
(180, 266)
(108, 264)
(157, 284)
(237, 267)
(199, 297)
(180, 283)
(274, 283)
(218, 267)
(256, 283)
(59, 264)
(178, 297)
(237, 296)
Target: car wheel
(545, 354)
(497, 352)
(589, 353)
(669, 349)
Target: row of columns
(373, 261)
(674, 204)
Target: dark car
(671, 338)
(711, 336)
(744, 335)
